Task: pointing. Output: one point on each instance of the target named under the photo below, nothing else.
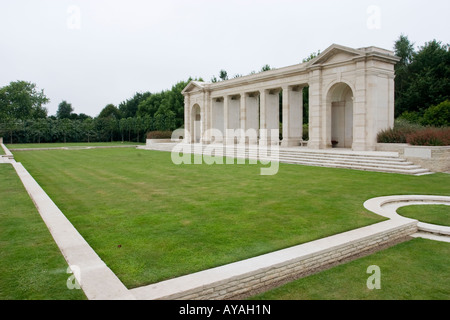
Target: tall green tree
(425, 80)
(64, 110)
(110, 111)
(21, 100)
(129, 108)
(223, 75)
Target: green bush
(438, 116)
(415, 134)
(402, 128)
(305, 132)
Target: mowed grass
(415, 270)
(151, 220)
(70, 145)
(31, 265)
(435, 214)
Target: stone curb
(388, 206)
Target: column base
(291, 142)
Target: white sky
(94, 52)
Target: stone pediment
(335, 54)
(195, 86)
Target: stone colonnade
(351, 99)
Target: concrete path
(388, 206)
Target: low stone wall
(246, 278)
(150, 142)
(284, 273)
(436, 159)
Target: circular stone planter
(387, 207)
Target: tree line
(24, 119)
(422, 94)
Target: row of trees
(87, 130)
(421, 89)
(24, 119)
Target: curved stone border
(388, 206)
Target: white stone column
(226, 106)
(206, 118)
(187, 120)
(252, 117)
(391, 103)
(218, 113)
(359, 108)
(270, 116)
(234, 102)
(315, 111)
(243, 111)
(292, 116)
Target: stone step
(358, 165)
(367, 161)
(374, 160)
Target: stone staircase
(389, 162)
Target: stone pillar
(359, 109)
(1, 140)
(315, 111)
(292, 116)
(270, 116)
(391, 103)
(234, 109)
(187, 120)
(252, 117)
(218, 113)
(225, 119)
(206, 133)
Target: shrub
(392, 136)
(438, 116)
(305, 132)
(402, 129)
(430, 137)
(159, 135)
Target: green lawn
(150, 220)
(415, 270)
(435, 214)
(70, 144)
(31, 265)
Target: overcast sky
(94, 52)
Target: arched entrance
(196, 124)
(340, 111)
